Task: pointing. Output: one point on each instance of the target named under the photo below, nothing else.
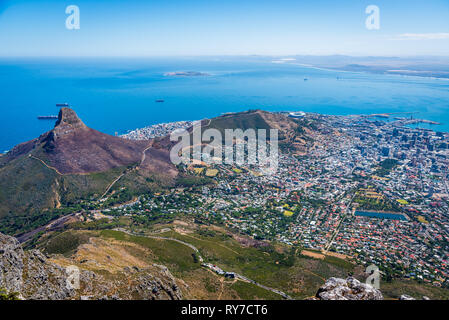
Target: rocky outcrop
(29, 273)
(11, 263)
(131, 284)
(43, 280)
(347, 289)
(67, 121)
(33, 276)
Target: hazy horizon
(222, 55)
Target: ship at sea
(47, 117)
(65, 104)
(160, 100)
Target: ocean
(118, 95)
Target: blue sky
(231, 27)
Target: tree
(4, 295)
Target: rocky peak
(347, 289)
(68, 117)
(68, 121)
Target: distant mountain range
(437, 67)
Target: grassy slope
(75, 187)
(203, 284)
(244, 121)
(249, 291)
(65, 243)
(26, 184)
(396, 288)
(177, 257)
(300, 280)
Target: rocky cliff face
(11, 263)
(67, 121)
(347, 289)
(33, 276)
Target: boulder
(347, 289)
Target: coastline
(366, 72)
(124, 103)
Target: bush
(4, 295)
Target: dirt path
(144, 153)
(43, 162)
(221, 288)
(112, 184)
(233, 251)
(313, 273)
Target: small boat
(47, 117)
(159, 100)
(62, 104)
(305, 79)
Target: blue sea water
(380, 215)
(117, 95)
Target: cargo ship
(160, 100)
(47, 117)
